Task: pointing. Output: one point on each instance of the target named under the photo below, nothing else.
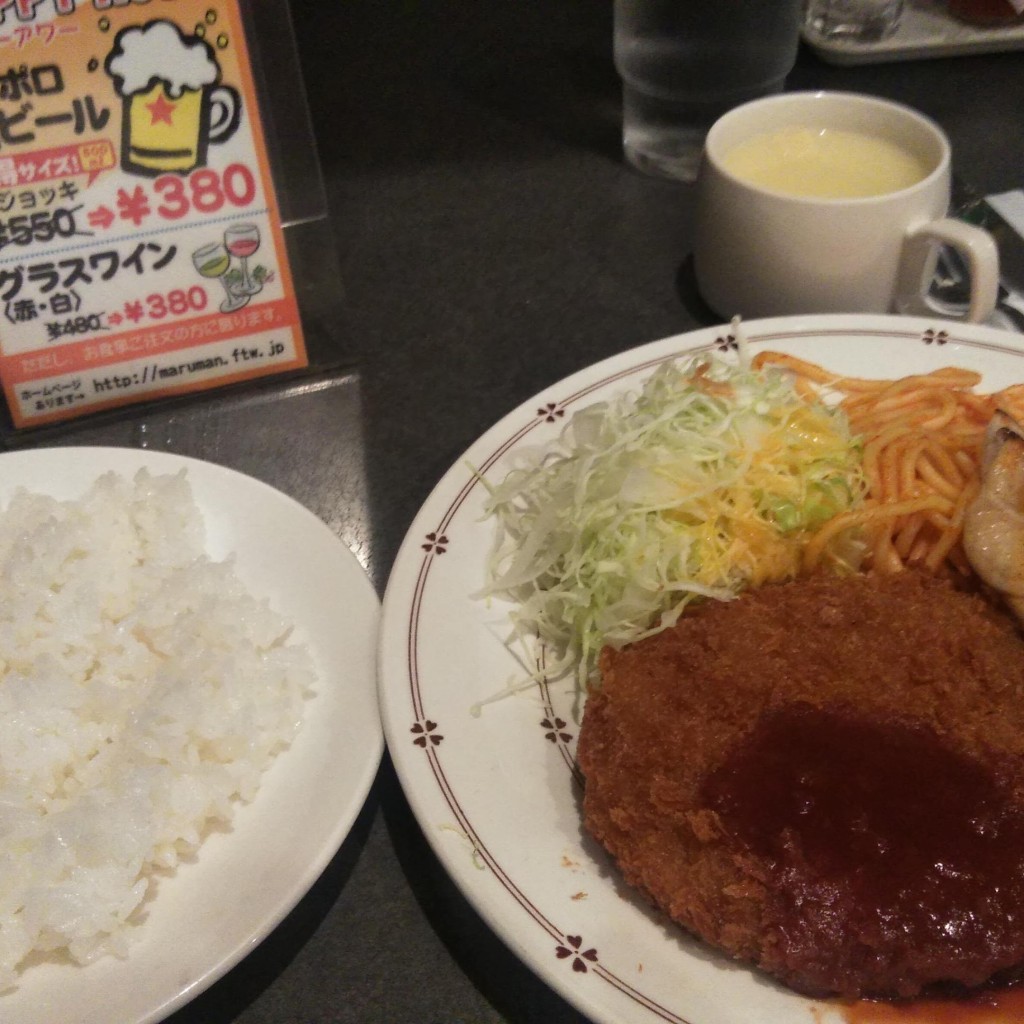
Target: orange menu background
(66, 129)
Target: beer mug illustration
(173, 104)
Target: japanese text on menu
(141, 251)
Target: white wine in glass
(212, 261)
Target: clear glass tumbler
(684, 63)
(855, 21)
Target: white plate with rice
(300, 603)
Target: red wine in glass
(242, 240)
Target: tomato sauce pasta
(922, 439)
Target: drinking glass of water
(683, 64)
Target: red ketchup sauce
(992, 1007)
(878, 829)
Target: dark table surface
(491, 241)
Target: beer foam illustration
(158, 51)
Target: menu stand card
(144, 220)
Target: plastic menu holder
(163, 222)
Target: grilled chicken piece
(993, 535)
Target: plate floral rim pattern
(414, 731)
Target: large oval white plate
(498, 794)
(215, 910)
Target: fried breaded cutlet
(824, 778)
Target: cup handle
(917, 268)
(226, 113)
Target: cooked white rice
(143, 692)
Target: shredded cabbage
(707, 482)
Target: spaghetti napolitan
(922, 438)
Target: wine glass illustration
(242, 240)
(213, 261)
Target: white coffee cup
(759, 251)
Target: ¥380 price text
(155, 306)
(205, 191)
